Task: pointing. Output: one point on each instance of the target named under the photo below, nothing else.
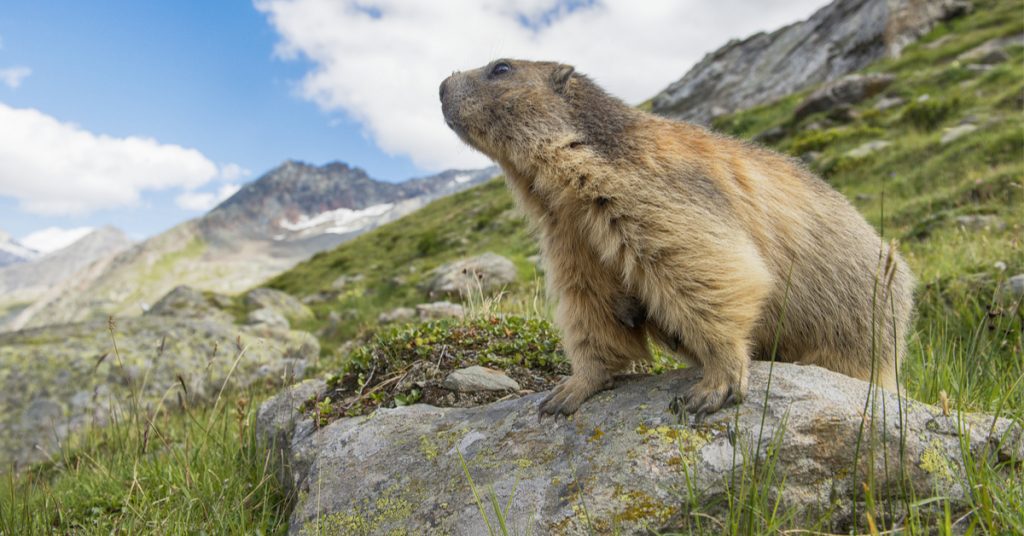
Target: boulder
(267, 317)
(187, 302)
(283, 303)
(886, 103)
(624, 462)
(468, 277)
(840, 38)
(837, 97)
(58, 379)
(439, 310)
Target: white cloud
(381, 61)
(233, 172)
(59, 168)
(12, 77)
(203, 201)
(54, 238)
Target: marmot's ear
(561, 76)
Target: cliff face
(840, 38)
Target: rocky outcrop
(280, 302)
(59, 379)
(187, 302)
(475, 275)
(840, 38)
(623, 461)
(846, 91)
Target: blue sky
(140, 114)
(195, 73)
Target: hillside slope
(283, 217)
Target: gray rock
(285, 304)
(886, 103)
(75, 367)
(439, 310)
(187, 302)
(277, 419)
(467, 277)
(978, 222)
(951, 134)
(345, 281)
(838, 39)
(839, 95)
(623, 453)
(397, 315)
(992, 51)
(867, 148)
(268, 317)
(1013, 287)
(477, 378)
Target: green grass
(155, 471)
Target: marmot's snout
(451, 94)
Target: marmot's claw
(702, 400)
(567, 397)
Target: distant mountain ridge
(269, 225)
(13, 252)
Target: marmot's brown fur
(720, 250)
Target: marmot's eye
(501, 68)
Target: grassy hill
(956, 208)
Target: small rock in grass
(268, 317)
(977, 222)
(867, 148)
(396, 315)
(438, 310)
(477, 378)
(952, 134)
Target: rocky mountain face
(11, 252)
(298, 206)
(840, 38)
(288, 214)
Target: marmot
(720, 250)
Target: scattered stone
(814, 126)
(320, 297)
(627, 439)
(285, 304)
(399, 314)
(992, 51)
(886, 103)
(439, 310)
(846, 91)
(923, 98)
(477, 378)
(951, 134)
(978, 222)
(867, 148)
(1000, 265)
(863, 198)
(346, 280)
(267, 317)
(467, 277)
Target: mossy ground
(200, 472)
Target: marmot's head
(515, 111)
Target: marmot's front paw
(567, 396)
(706, 397)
